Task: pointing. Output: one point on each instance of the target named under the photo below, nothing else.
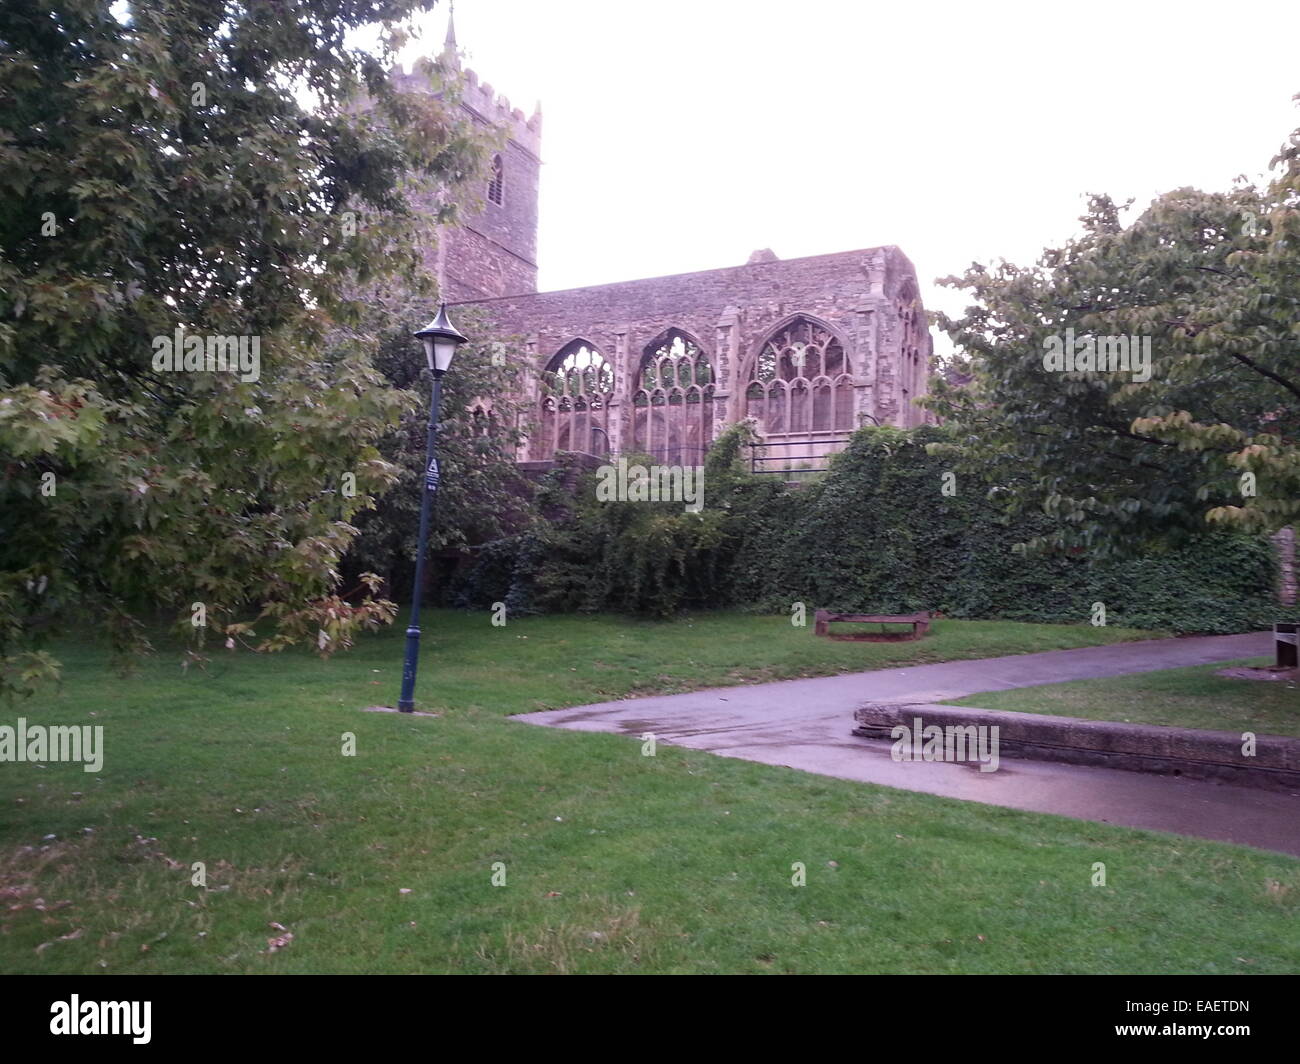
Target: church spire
(450, 53)
(449, 45)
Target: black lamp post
(441, 339)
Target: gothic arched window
(799, 382)
(497, 183)
(673, 404)
(577, 388)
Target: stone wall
(475, 266)
(1284, 543)
(731, 313)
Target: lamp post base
(390, 709)
(406, 704)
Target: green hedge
(875, 533)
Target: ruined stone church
(810, 349)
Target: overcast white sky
(681, 135)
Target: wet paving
(806, 724)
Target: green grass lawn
(1186, 698)
(614, 862)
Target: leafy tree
(1212, 281)
(481, 495)
(206, 166)
(593, 554)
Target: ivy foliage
(876, 533)
(650, 558)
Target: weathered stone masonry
(809, 349)
(492, 251)
(849, 325)
(1284, 545)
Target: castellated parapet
(481, 100)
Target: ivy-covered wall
(876, 533)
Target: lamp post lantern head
(440, 338)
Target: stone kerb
(1212, 755)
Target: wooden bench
(920, 622)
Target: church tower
(492, 251)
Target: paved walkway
(806, 724)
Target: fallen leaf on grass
(279, 942)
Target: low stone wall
(1211, 755)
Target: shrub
(875, 534)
